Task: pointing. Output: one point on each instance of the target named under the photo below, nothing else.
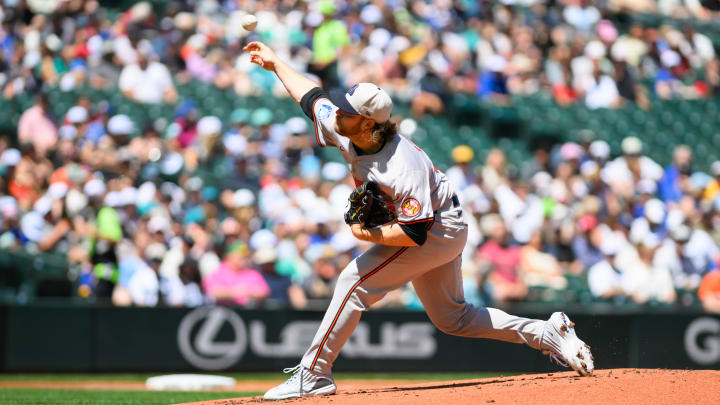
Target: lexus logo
(198, 338)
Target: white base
(189, 382)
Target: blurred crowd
(140, 225)
(420, 51)
(127, 203)
(637, 232)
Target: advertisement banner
(213, 339)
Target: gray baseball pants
(434, 269)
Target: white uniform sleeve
(324, 119)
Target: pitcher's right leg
(359, 286)
(362, 283)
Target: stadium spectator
(674, 180)
(282, 290)
(146, 287)
(713, 187)
(321, 282)
(604, 278)
(643, 279)
(233, 282)
(709, 291)
(106, 234)
(582, 16)
(147, 81)
(492, 83)
(601, 91)
(329, 39)
(37, 127)
(494, 171)
(559, 241)
(686, 262)
(104, 73)
(586, 245)
(540, 268)
(502, 261)
(191, 292)
(623, 173)
(461, 174)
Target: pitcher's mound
(618, 386)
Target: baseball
(249, 22)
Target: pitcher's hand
(262, 55)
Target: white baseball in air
(249, 22)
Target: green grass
(139, 377)
(17, 396)
(12, 396)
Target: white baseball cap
(364, 99)
(120, 124)
(631, 145)
(600, 149)
(77, 115)
(715, 168)
(654, 211)
(209, 125)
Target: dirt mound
(619, 386)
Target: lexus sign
(199, 341)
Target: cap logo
(352, 89)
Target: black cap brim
(338, 98)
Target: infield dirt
(617, 386)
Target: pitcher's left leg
(441, 293)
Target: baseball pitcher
(408, 209)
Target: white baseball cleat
(304, 383)
(565, 347)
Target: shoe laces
(557, 357)
(297, 370)
(292, 369)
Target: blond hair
(381, 133)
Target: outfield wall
(83, 338)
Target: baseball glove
(368, 207)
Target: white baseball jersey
(403, 171)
